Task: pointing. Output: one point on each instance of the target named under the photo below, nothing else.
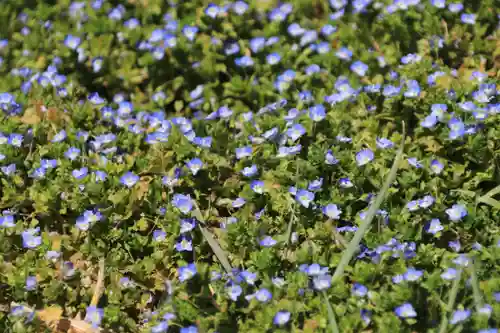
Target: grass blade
(451, 301)
(358, 236)
(214, 244)
(219, 252)
(331, 315)
(476, 291)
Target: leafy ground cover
(260, 166)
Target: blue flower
(187, 272)
(31, 283)
(60, 136)
(189, 329)
(412, 274)
(345, 183)
(244, 61)
(72, 153)
(94, 315)
(281, 318)
(384, 143)
(364, 156)
(459, 316)
(15, 140)
(263, 295)
(129, 179)
(468, 18)
(159, 235)
(240, 7)
(449, 274)
(304, 197)
(434, 226)
(182, 202)
(456, 212)
(30, 238)
(344, 53)
(322, 282)
(194, 165)
(317, 112)
(457, 128)
(239, 202)
(250, 171)
(243, 152)
(7, 221)
(72, 42)
(184, 245)
(9, 170)
(332, 211)
(359, 68)
(267, 241)
(359, 290)
(405, 310)
(273, 58)
(80, 173)
(257, 186)
(161, 327)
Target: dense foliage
(187, 166)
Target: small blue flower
(359, 290)
(267, 241)
(72, 153)
(250, 171)
(412, 274)
(384, 143)
(239, 202)
(194, 165)
(182, 202)
(332, 211)
(359, 68)
(345, 183)
(459, 316)
(72, 42)
(184, 245)
(30, 239)
(94, 315)
(161, 327)
(31, 283)
(234, 291)
(317, 112)
(436, 167)
(281, 318)
(456, 212)
(364, 156)
(243, 152)
(159, 235)
(257, 186)
(187, 272)
(7, 221)
(468, 18)
(15, 140)
(322, 282)
(449, 274)
(80, 173)
(273, 58)
(295, 132)
(263, 295)
(60, 136)
(304, 197)
(315, 185)
(129, 179)
(434, 226)
(416, 163)
(405, 310)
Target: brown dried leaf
(30, 117)
(50, 314)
